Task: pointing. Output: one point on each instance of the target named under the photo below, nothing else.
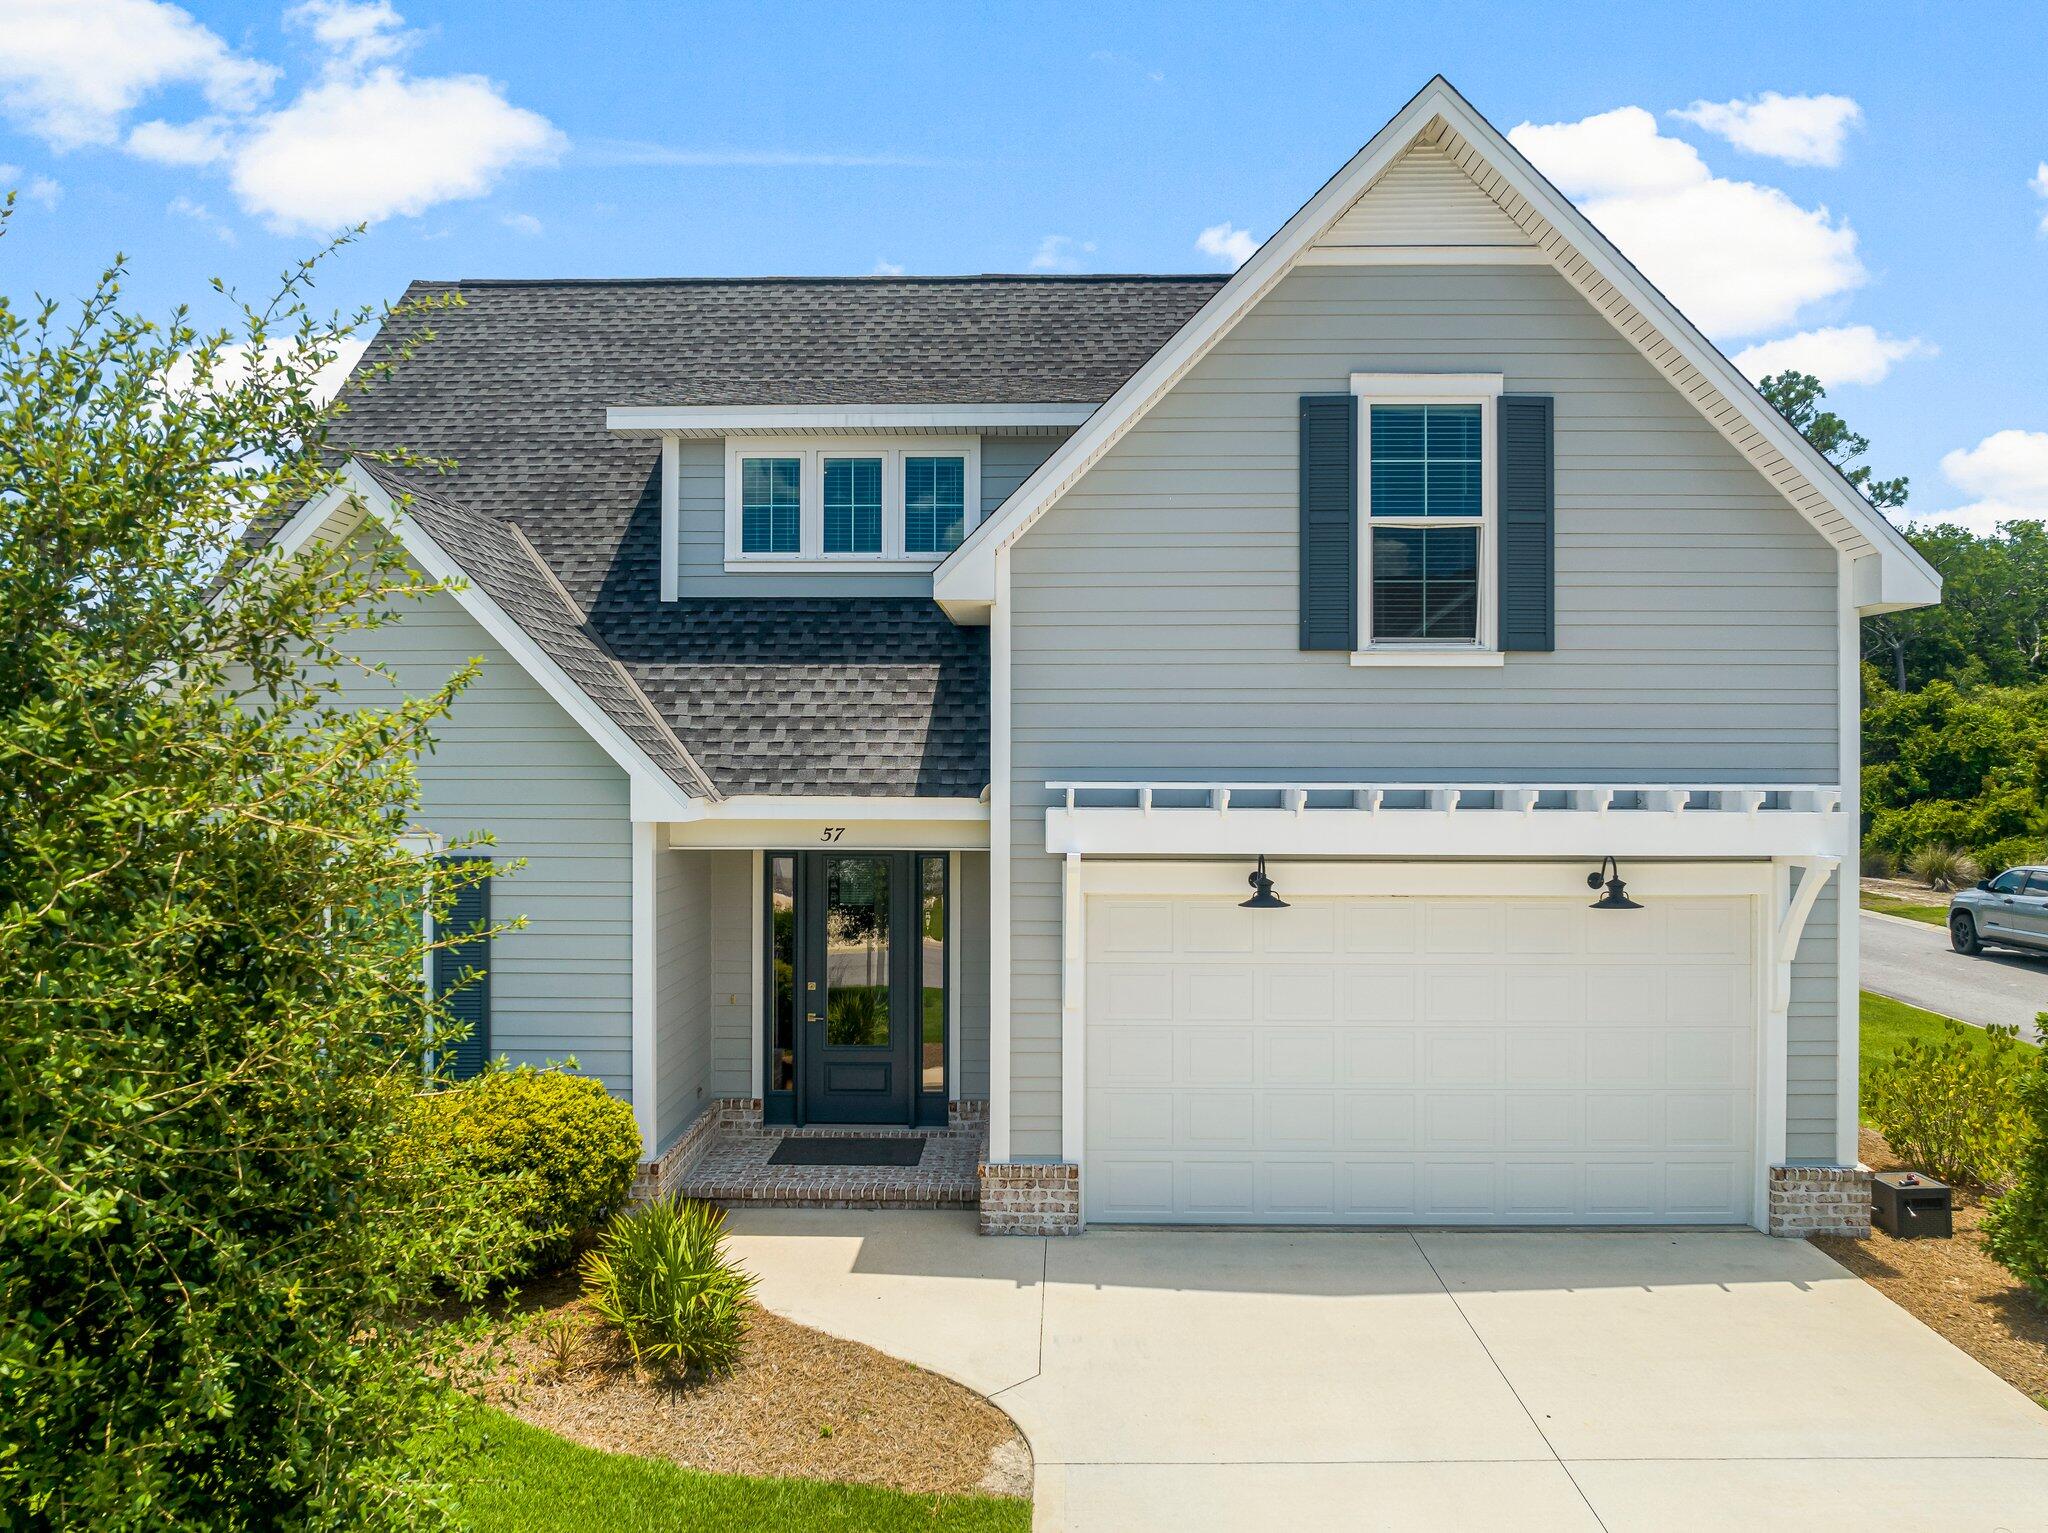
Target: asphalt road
(1911, 961)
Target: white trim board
(965, 584)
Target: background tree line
(1955, 697)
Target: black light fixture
(1265, 898)
(1616, 897)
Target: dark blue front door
(857, 916)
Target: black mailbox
(1909, 1205)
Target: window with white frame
(1426, 501)
(888, 502)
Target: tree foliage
(211, 1260)
(1954, 767)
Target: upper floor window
(892, 503)
(771, 505)
(1427, 497)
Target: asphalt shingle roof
(817, 695)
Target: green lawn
(1884, 904)
(1888, 1023)
(530, 1481)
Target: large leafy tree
(214, 1243)
(1992, 624)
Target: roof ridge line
(1064, 279)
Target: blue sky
(1880, 217)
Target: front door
(859, 986)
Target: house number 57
(832, 833)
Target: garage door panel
(1459, 1121)
(1297, 1121)
(1377, 1120)
(1214, 993)
(1385, 927)
(1451, 995)
(1307, 929)
(1377, 1056)
(1461, 1058)
(1418, 1060)
(1380, 995)
(1215, 1120)
(1122, 992)
(1213, 1056)
(1298, 1056)
(1543, 995)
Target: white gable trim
(655, 795)
(965, 584)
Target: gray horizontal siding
(509, 761)
(970, 969)
(731, 972)
(683, 896)
(1810, 1033)
(1153, 623)
(1006, 461)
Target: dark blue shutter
(1329, 521)
(1528, 517)
(470, 1004)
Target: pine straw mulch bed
(801, 1404)
(1953, 1286)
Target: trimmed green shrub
(1954, 1106)
(662, 1279)
(2016, 1229)
(559, 1146)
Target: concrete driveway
(1537, 1381)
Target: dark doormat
(806, 1151)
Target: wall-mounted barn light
(1616, 897)
(1264, 898)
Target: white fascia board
(353, 483)
(654, 795)
(738, 420)
(778, 820)
(967, 577)
(1434, 834)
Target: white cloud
(204, 142)
(40, 189)
(2007, 472)
(232, 367)
(888, 269)
(522, 223)
(202, 215)
(70, 70)
(354, 33)
(349, 151)
(1227, 243)
(1835, 354)
(1736, 257)
(1801, 130)
(2040, 186)
(1061, 252)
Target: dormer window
(887, 503)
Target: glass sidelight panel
(856, 951)
(931, 891)
(782, 981)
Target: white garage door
(1435, 1061)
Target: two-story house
(1369, 739)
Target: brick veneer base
(720, 1115)
(1820, 1200)
(1022, 1199)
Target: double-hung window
(887, 502)
(1427, 499)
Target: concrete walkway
(1194, 1380)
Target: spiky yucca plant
(661, 1276)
